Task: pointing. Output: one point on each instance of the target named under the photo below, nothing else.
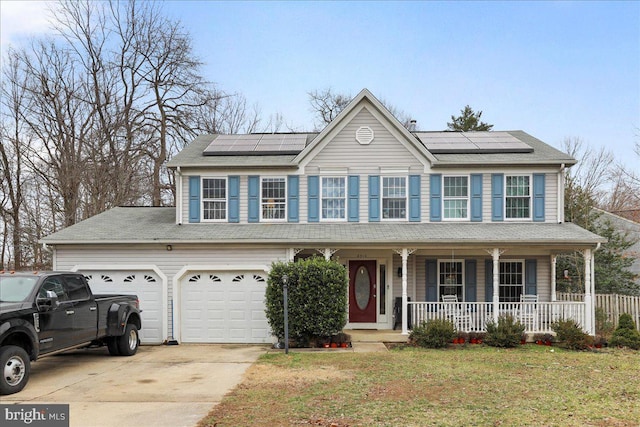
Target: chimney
(412, 125)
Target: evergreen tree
(468, 121)
(611, 266)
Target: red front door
(362, 291)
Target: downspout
(179, 196)
(561, 194)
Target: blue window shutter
(432, 280)
(313, 191)
(538, 197)
(497, 197)
(194, 199)
(374, 198)
(293, 201)
(470, 282)
(234, 199)
(488, 281)
(436, 197)
(254, 198)
(476, 197)
(414, 198)
(531, 276)
(353, 207)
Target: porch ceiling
(157, 225)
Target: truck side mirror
(49, 302)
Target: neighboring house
(627, 222)
(413, 216)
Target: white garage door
(146, 285)
(223, 307)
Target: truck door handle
(70, 311)
(92, 308)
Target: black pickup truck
(44, 313)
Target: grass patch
(530, 385)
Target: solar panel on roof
(472, 142)
(256, 144)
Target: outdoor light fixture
(169, 248)
(399, 271)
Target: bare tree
(326, 105)
(592, 173)
(15, 141)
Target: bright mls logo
(35, 415)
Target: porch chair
(397, 313)
(528, 314)
(455, 312)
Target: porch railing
(473, 316)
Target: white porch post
(553, 277)
(405, 305)
(588, 299)
(327, 254)
(496, 282)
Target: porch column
(405, 302)
(588, 299)
(496, 282)
(553, 277)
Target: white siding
(343, 151)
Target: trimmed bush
(506, 333)
(571, 336)
(626, 334)
(317, 298)
(436, 333)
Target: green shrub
(436, 333)
(571, 336)
(506, 333)
(626, 334)
(317, 298)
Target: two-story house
(445, 224)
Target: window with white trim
(518, 197)
(394, 197)
(334, 198)
(274, 199)
(455, 197)
(214, 199)
(511, 280)
(450, 279)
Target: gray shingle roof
(191, 156)
(157, 225)
(543, 154)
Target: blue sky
(552, 69)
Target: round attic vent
(364, 135)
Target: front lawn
(477, 385)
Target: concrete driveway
(159, 386)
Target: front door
(362, 291)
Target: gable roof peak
(366, 96)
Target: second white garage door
(224, 307)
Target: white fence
(612, 305)
(537, 317)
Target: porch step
(374, 336)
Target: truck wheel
(14, 367)
(112, 345)
(128, 343)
